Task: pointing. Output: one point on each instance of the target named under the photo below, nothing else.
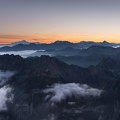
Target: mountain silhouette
(24, 45)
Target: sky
(50, 20)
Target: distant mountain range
(82, 57)
(83, 53)
(57, 45)
(69, 51)
(23, 42)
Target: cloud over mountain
(4, 98)
(4, 76)
(59, 92)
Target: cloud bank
(3, 97)
(4, 76)
(59, 92)
(23, 53)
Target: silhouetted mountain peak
(86, 41)
(20, 42)
(55, 45)
(61, 42)
(105, 41)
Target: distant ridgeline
(24, 45)
(83, 53)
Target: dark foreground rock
(36, 74)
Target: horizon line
(5, 43)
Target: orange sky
(48, 38)
(50, 20)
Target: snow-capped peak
(24, 42)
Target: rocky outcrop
(35, 74)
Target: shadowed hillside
(35, 80)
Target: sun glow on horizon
(47, 21)
(49, 38)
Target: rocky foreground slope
(44, 88)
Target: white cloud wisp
(3, 97)
(59, 92)
(4, 76)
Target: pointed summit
(105, 41)
(24, 42)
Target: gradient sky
(50, 20)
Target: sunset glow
(51, 38)
(47, 21)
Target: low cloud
(59, 92)
(4, 76)
(24, 53)
(116, 46)
(3, 97)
